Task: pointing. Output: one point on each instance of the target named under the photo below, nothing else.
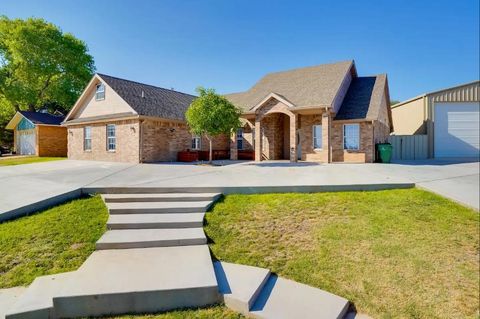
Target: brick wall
(248, 138)
(127, 142)
(51, 141)
(273, 135)
(366, 152)
(306, 123)
(162, 141)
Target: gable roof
(364, 99)
(42, 118)
(154, 101)
(36, 118)
(314, 86)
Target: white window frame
(239, 138)
(87, 146)
(318, 138)
(100, 92)
(355, 135)
(196, 142)
(111, 140)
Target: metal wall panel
(409, 147)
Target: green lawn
(27, 160)
(394, 254)
(56, 240)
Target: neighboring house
(324, 113)
(449, 118)
(38, 133)
(125, 121)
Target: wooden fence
(409, 147)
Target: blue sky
(230, 44)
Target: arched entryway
(275, 129)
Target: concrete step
(113, 282)
(284, 299)
(36, 302)
(158, 207)
(8, 297)
(151, 221)
(143, 238)
(160, 197)
(240, 285)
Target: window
(196, 142)
(100, 92)
(317, 136)
(87, 138)
(111, 139)
(351, 136)
(240, 139)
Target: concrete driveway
(25, 186)
(35, 186)
(454, 179)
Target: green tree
(40, 67)
(211, 115)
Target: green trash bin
(385, 152)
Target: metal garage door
(26, 142)
(456, 129)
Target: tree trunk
(31, 108)
(210, 153)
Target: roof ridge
(309, 67)
(44, 113)
(145, 84)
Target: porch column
(293, 138)
(233, 146)
(258, 139)
(326, 145)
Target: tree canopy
(40, 67)
(211, 115)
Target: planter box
(194, 156)
(187, 156)
(246, 155)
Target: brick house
(38, 133)
(125, 121)
(324, 113)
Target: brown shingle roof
(309, 86)
(156, 101)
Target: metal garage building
(450, 118)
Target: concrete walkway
(24, 188)
(140, 268)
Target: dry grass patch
(394, 254)
(214, 312)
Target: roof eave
(90, 120)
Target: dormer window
(100, 92)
